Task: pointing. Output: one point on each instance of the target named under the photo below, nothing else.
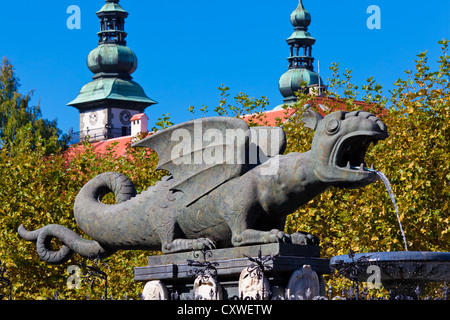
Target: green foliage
(162, 123)
(16, 116)
(243, 105)
(39, 189)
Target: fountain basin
(403, 265)
(401, 272)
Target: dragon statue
(221, 191)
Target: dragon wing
(265, 143)
(202, 154)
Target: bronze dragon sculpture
(223, 200)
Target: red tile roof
(324, 104)
(119, 145)
(137, 116)
(268, 118)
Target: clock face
(93, 117)
(125, 117)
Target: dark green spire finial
(112, 20)
(112, 63)
(300, 18)
(301, 60)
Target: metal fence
(99, 134)
(95, 275)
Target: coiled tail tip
(71, 242)
(28, 235)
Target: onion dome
(294, 80)
(112, 58)
(300, 18)
(112, 63)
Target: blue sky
(186, 49)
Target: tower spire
(112, 23)
(301, 68)
(108, 102)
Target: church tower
(301, 67)
(107, 103)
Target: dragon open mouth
(340, 146)
(352, 151)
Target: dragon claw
(304, 238)
(203, 244)
(277, 236)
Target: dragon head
(340, 144)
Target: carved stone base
(253, 286)
(155, 290)
(178, 275)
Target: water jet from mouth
(391, 195)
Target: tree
(17, 115)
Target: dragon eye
(333, 126)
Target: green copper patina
(220, 203)
(112, 6)
(112, 63)
(301, 74)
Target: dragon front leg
(170, 243)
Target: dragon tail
(87, 208)
(72, 242)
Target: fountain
(404, 273)
(391, 194)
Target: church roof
(119, 146)
(112, 63)
(138, 116)
(270, 118)
(111, 89)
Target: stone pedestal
(175, 272)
